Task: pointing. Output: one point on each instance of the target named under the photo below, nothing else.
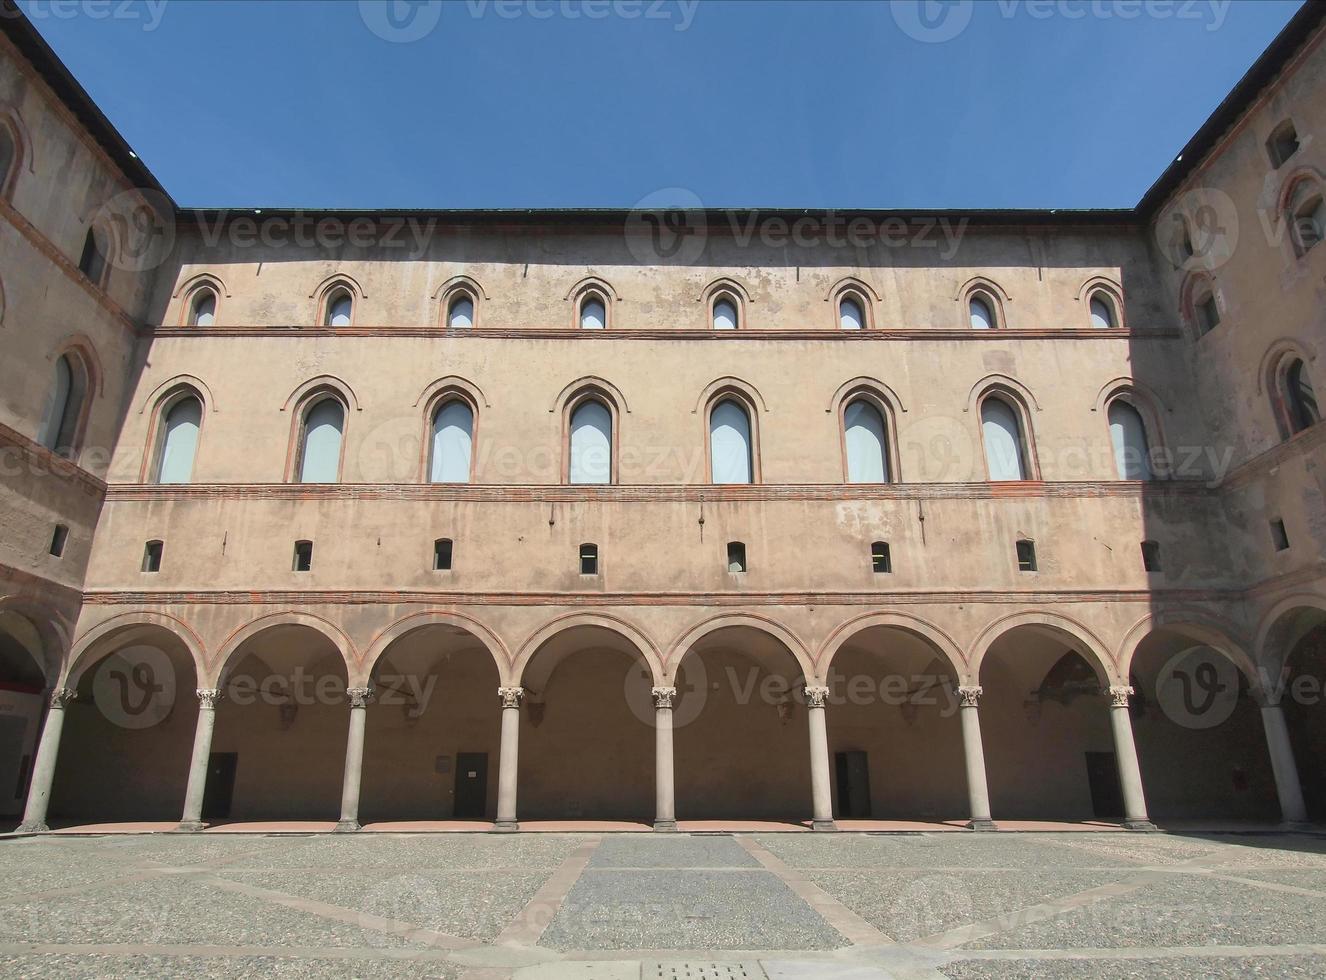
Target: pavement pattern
(665, 907)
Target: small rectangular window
(1208, 314)
(1283, 143)
(1279, 536)
(880, 560)
(442, 555)
(152, 556)
(1026, 556)
(58, 538)
(589, 559)
(736, 556)
(1151, 556)
(303, 556)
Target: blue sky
(568, 103)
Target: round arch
(680, 647)
(1063, 625)
(380, 643)
(81, 657)
(1272, 624)
(1195, 625)
(232, 643)
(941, 642)
(51, 630)
(643, 644)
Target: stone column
(820, 792)
(354, 758)
(192, 821)
(665, 804)
(1292, 808)
(509, 761)
(978, 794)
(1125, 753)
(43, 767)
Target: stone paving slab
(1210, 968)
(932, 850)
(98, 966)
(686, 910)
(671, 852)
(439, 851)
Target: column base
(823, 826)
(982, 825)
(1142, 825)
(346, 826)
(665, 826)
(190, 827)
(1298, 826)
(35, 827)
(505, 826)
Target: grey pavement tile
(949, 850)
(437, 851)
(1177, 910)
(467, 904)
(1138, 850)
(1212, 967)
(910, 904)
(95, 966)
(1270, 852)
(686, 910)
(176, 909)
(671, 851)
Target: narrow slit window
(461, 312)
(1279, 536)
(982, 314)
(442, 555)
(303, 556)
(340, 307)
(1208, 314)
(589, 559)
(1283, 143)
(1151, 556)
(881, 561)
(1102, 312)
(92, 263)
(850, 314)
(736, 556)
(725, 314)
(593, 314)
(58, 539)
(152, 556)
(1026, 556)
(202, 312)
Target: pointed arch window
(593, 312)
(179, 440)
(92, 261)
(1103, 314)
(725, 313)
(460, 312)
(1132, 448)
(1307, 217)
(1005, 447)
(340, 308)
(851, 314)
(64, 407)
(730, 459)
(320, 442)
(8, 155)
(452, 443)
(866, 443)
(981, 312)
(1300, 397)
(591, 443)
(202, 308)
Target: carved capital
(208, 697)
(1119, 696)
(62, 696)
(359, 696)
(663, 696)
(969, 697)
(511, 696)
(816, 697)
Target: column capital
(511, 696)
(208, 697)
(969, 697)
(663, 696)
(359, 696)
(61, 696)
(816, 697)
(1119, 696)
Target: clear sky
(598, 103)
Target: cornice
(41, 460)
(629, 493)
(1260, 465)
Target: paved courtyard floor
(647, 907)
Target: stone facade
(806, 676)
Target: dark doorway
(1106, 793)
(220, 790)
(853, 773)
(471, 785)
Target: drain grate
(703, 971)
